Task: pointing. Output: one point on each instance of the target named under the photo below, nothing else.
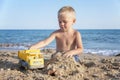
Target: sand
(91, 67)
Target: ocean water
(103, 42)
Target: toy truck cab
(31, 59)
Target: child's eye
(60, 22)
(65, 22)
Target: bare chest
(66, 40)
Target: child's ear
(74, 20)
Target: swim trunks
(76, 58)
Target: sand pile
(92, 67)
(65, 68)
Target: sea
(95, 41)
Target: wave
(16, 46)
(105, 52)
(22, 46)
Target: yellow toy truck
(30, 59)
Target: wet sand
(91, 67)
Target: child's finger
(67, 55)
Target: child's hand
(68, 54)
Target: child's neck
(70, 30)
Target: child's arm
(79, 47)
(43, 42)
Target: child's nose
(61, 23)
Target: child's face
(66, 21)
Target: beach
(91, 67)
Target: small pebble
(8, 69)
(95, 75)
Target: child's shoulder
(57, 31)
(76, 32)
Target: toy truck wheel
(20, 63)
(23, 64)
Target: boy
(68, 40)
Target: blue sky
(42, 14)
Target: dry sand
(92, 67)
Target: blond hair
(67, 9)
